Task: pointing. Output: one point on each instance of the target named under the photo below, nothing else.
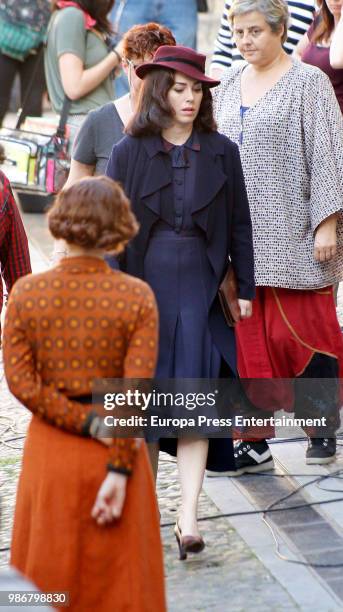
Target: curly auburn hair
(154, 113)
(98, 9)
(142, 40)
(93, 213)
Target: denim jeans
(180, 16)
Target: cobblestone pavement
(227, 575)
(14, 420)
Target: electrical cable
(271, 509)
(268, 510)
(262, 511)
(336, 474)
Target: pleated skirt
(178, 270)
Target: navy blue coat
(220, 208)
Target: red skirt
(287, 328)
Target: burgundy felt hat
(180, 59)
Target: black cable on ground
(336, 474)
(262, 511)
(271, 509)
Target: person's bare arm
(336, 47)
(78, 81)
(301, 46)
(216, 71)
(78, 171)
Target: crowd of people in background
(176, 178)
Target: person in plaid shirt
(14, 249)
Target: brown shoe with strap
(187, 543)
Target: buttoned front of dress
(177, 269)
(183, 159)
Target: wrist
(329, 221)
(117, 469)
(117, 55)
(94, 427)
(90, 423)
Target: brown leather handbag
(228, 297)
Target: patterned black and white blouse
(292, 157)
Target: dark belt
(82, 399)
(184, 233)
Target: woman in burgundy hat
(187, 190)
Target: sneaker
(321, 450)
(250, 458)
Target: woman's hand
(110, 499)
(106, 441)
(325, 241)
(246, 308)
(301, 47)
(120, 47)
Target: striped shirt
(225, 51)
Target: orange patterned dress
(65, 327)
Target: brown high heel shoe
(187, 543)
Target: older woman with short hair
(286, 119)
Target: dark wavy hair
(98, 9)
(154, 113)
(93, 213)
(324, 24)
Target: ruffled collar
(178, 153)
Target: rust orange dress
(65, 327)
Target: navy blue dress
(177, 268)
(193, 211)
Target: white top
(225, 51)
(292, 158)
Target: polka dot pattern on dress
(73, 324)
